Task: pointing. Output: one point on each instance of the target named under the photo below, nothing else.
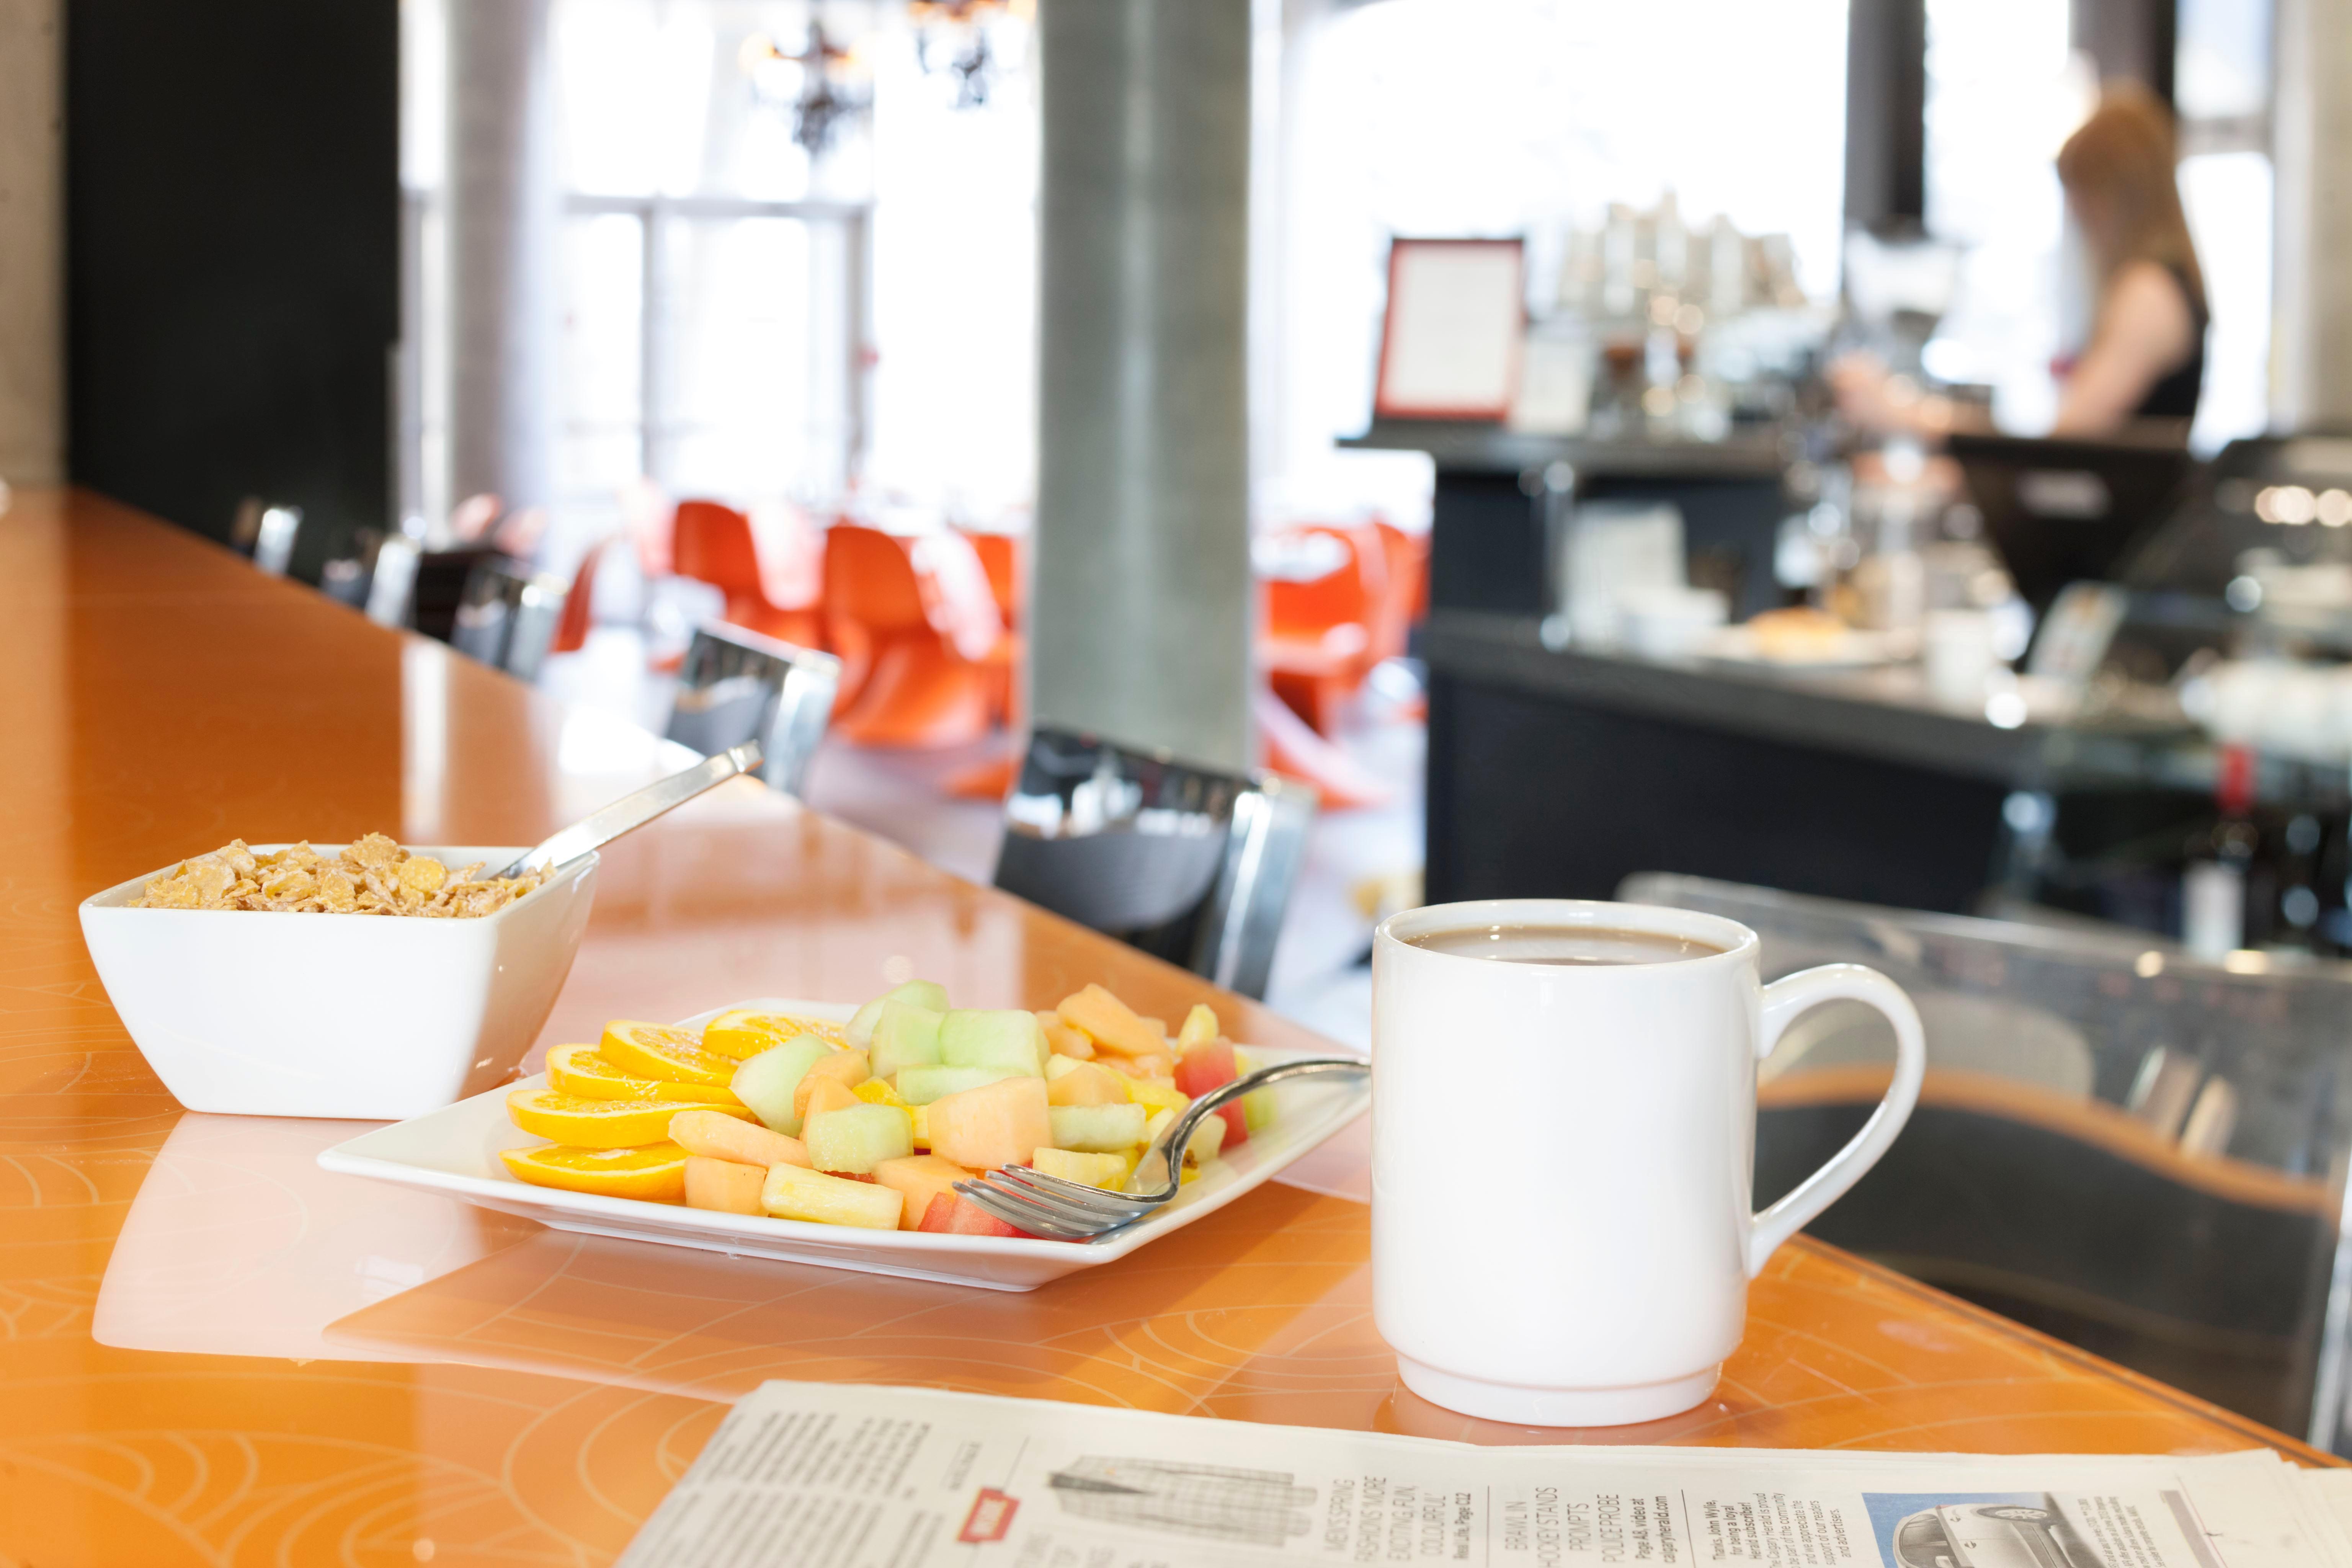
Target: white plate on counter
(456, 1150)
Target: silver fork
(1064, 1210)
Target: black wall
(233, 256)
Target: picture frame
(1452, 335)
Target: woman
(2146, 360)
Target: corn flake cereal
(373, 877)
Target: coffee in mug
(1563, 1133)
(1561, 944)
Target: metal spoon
(632, 812)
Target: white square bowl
(377, 1018)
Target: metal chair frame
(2245, 1064)
(792, 687)
(506, 620)
(1075, 785)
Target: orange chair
(715, 544)
(578, 618)
(903, 681)
(1321, 636)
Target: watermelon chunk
(952, 1214)
(1211, 1065)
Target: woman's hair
(2119, 164)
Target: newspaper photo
(829, 1476)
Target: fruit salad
(871, 1123)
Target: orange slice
(653, 1050)
(651, 1171)
(743, 1034)
(584, 1123)
(585, 1071)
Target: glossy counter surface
(211, 1352)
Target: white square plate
(456, 1150)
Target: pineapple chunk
(791, 1193)
(1200, 1028)
(1105, 1171)
(1155, 1096)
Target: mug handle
(1784, 999)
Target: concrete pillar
(504, 210)
(32, 245)
(1142, 630)
(2311, 348)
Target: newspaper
(834, 1476)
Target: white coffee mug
(1562, 1232)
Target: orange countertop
(213, 1352)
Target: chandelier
(816, 83)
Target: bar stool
(1190, 864)
(2133, 1151)
(506, 618)
(737, 685)
(266, 533)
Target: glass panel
(739, 421)
(601, 355)
(2222, 67)
(2227, 196)
(2003, 92)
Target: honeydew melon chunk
(997, 1124)
(768, 1081)
(905, 1036)
(1008, 1039)
(857, 1137)
(921, 1085)
(1096, 1129)
(791, 1193)
(1093, 1169)
(927, 994)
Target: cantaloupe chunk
(827, 1094)
(1105, 1171)
(847, 1069)
(791, 1192)
(1110, 1023)
(920, 1178)
(720, 1137)
(1062, 1040)
(1001, 1123)
(1086, 1084)
(952, 1214)
(723, 1186)
(858, 1137)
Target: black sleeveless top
(2175, 397)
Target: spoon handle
(633, 811)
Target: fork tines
(1051, 1206)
